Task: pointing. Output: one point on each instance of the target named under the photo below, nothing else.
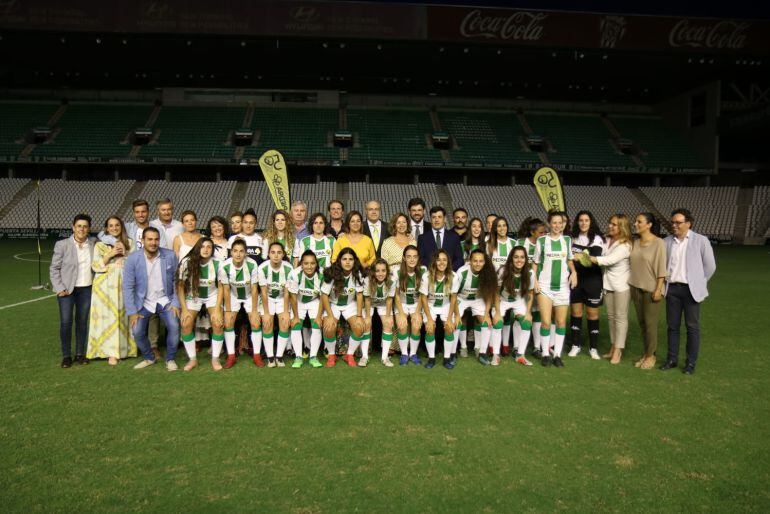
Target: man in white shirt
(168, 227)
(71, 278)
(374, 227)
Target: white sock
(296, 341)
(189, 347)
(414, 342)
(283, 341)
(365, 345)
(353, 345)
(506, 334)
(462, 337)
(536, 335)
(268, 341)
(558, 344)
(486, 335)
(216, 347)
(450, 343)
(521, 338)
(552, 342)
(497, 338)
(315, 341)
(478, 339)
(256, 341)
(403, 344)
(230, 341)
(330, 347)
(387, 338)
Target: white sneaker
(171, 366)
(363, 361)
(463, 352)
(279, 362)
(145, 363)
(594, 353)
(574, 351)
(387, 363)
(495, 360)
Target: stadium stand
(62, 199)
(759, 210)
(207, 199)
(257, 197)
(487, 138)
(190, 133)
(603, 202)
(714, 208)
(578, 140)
(9, 187)
(94, 131)
(391, 137)
(17, 120)
(300, 134)
(393, 198)
(513, 202)
(662, 147)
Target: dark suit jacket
(426, 244)
(384, 234)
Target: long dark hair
(193, 260)
(123, 236)
(311, 222)
(336, 275)
(468, 240)
(492, 242)
(508, 272)
(348, 217)
(593, 228)
(650, 217)
(487, 277)
(403, 273)
(433, 268)
(373, 281)
(529, 226)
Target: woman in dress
(110, 335)
(342, 297)
(393, 247)
(184, 242)
(279, 230)
(354, 238)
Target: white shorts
(275, 305)
(382, 310)
(347, 311)
(196, 304)
(235, 305)
(436, 312)
(558, 298)
(410, 309)
(308, 309)
(477, 306)
(518, 307)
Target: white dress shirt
(677, 272)
(416, 228)
(85, 275)
(172, 229)
(156, 293)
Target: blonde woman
(393, 247)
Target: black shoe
(557, 362)
(668, 365)
(453, 360)
(545, 361)
(537, 354)
(79, 359)
(66, 362)
(689, 369)
(431, 363)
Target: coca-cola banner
(232, 17)
(584, 30)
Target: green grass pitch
(587, 438)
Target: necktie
(438, 239)
(375, 235)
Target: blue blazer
(426, 244)
(135, 279)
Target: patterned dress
(109, 331)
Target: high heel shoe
(610, 353)
(616, 356)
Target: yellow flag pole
(549, 189)
(275, 171)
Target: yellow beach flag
(549, 189)
(274, 169)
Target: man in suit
(374, 227)
(71, 279)
(690, 265)
(148, 288)
(417, 223)
(437, 236)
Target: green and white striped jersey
(253, 245)
(500, 254)
(552, 256)
(411, 295)
(381, 293)
(274, 279)
(239, 279)
(266, 248)
(529, 246)
(306, 288)
(465, 284)
(207, 281)
(438, 294)
(467, 255)
(506, 295)
(322, 248)
(348, 294)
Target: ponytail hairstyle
(193, 260)
(373, 281)
(403, 273)
(335, 275)
(487, 277)
(509, 272)
(529, 226)
(654, 222)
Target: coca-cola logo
(305, 14)
(725, 34)
(612, 28)
(519, 26)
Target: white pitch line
(19, 258)
(28, 301)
